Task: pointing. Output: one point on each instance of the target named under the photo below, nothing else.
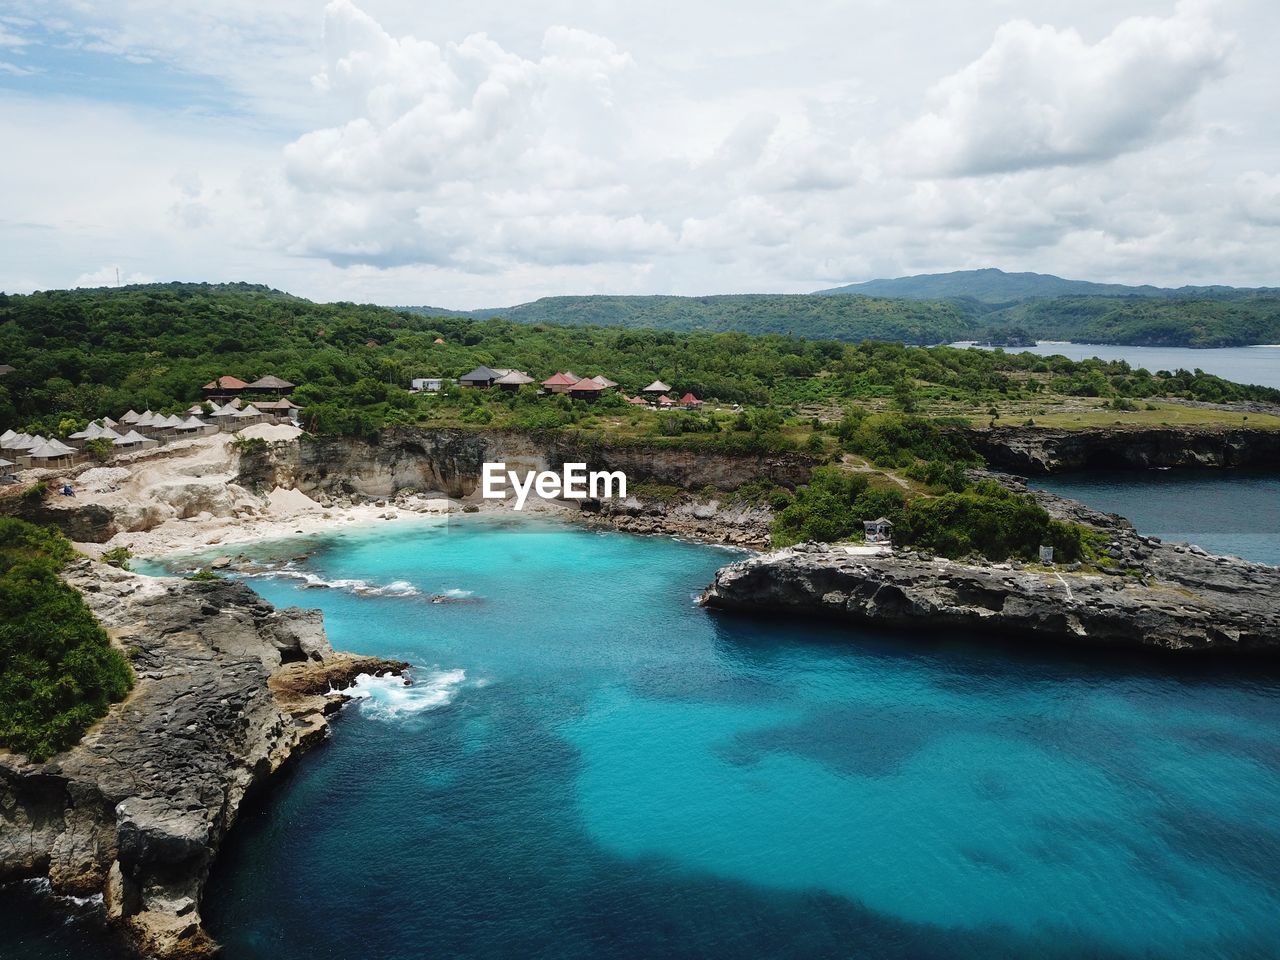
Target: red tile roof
(585, 386)
(225, 383)
(690, 399)
(559, 380)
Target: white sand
(272, 431)
(285, 502)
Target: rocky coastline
(1149, 594)
(228, 690)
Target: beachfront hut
(656, 387)
(133, 440)
(129, 416)
(513, 380)
(269, 386)
(192, 426)
(283, 409)
(559, 383)
(51, 453)
(482, 377)
(879, 530)
(247, 415)
(223, 389)
(690, 402)
(586, 390)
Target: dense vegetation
(58, 671)
(82, 353)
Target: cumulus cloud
(107, 277)
(1041, 96)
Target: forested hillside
(80, 354)
(837, 318)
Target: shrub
(58, 671)
(118, 557)
(988, 521)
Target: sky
(484, 153)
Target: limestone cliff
(1151, 595)
(228, 688)
(1037, 450)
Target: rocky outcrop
(450, 461)
(1148, 594)
(1035, 450)
(80, 522)
(709, 520)
(228, 689)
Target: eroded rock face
(1035, 450)
(1155, 595)
(228, 688)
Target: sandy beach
(183, 497)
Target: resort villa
(564, 382)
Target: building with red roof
(690, 402)
(560, 383)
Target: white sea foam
(458, 593)
(388, 697)
(397, 588)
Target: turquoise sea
(589, 765)
(1257, 364)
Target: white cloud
(110, 276)
(1042, 96)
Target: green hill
(992, 286)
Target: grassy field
(1078, 416)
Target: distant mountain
(994, 286)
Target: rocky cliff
(451, 460)
(1149, 594)
(1036, 450)
(228, 689)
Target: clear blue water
(1242, 364)
(592, 766)
(1229, 512)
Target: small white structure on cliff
(877, 531)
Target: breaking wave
(363, 588)
(388, 697)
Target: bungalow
(426, 384)
(269, 385)
(586, 390)
(877, 531)
(656, 387)
(605, 382)
(559, 383)
(51, 453)
(664, 402)
(133, 440)
(193, 426)
(131, 416)
(513, 380)
(223, 388)
(482, 377)
(638, 401)
(282, 409)
(690, 402)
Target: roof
(7, 436)
(438, 340)
(249, 411)
(225, 383)
(193, 423)
(6, 463)
(605, 381)
(130, 438)
(560, 380)
(271, 383)
(884, 520)
(49, 450)
(689, 398)
(130, 416)
(5, 369)
(587, 386)
(284, 403)
(665, 401)
(639, 401)
(656, 387)
(483, 373)
(518, 377)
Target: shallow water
(591, 766)
(1258, 364)
(1224, 511)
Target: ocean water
(1257, 364)
(1224, 511)
(589, 765)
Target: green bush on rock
(58, 671)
